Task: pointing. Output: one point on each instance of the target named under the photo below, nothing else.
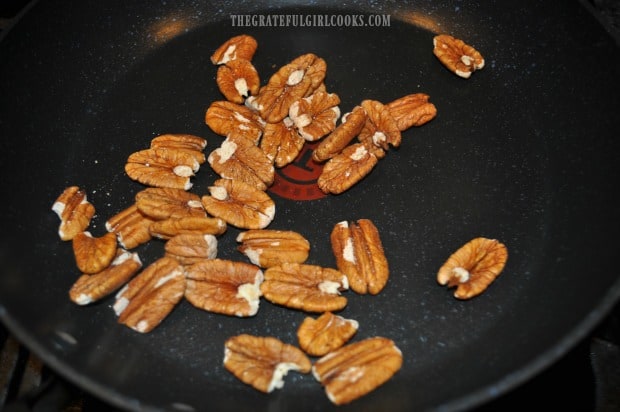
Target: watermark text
(310, 20)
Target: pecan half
(74, 211)
(182, 141)
(194, 145)
(224, 118)
(315, 116)
(93, 254)
(224, 286)
(160, 203)
(326, 333)
(189, 248)
(91, 288)
(165, 229)
(357, 369)
(316, 71)
(263, 362)
(412, 110)
(149, 297)
(459, 57)
(240, 159)
(380, 130)
(336, 141)
(242, 46)
(239, 204)
(366, 138)
(162, 167)
(305, 287)
(267, 248)
(289, 84)
(281, 142)
(347, 168)
(237, 79)
(473, 267)
(359, 255)
(130, 226)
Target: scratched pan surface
(524, 151)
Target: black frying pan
(524, 151)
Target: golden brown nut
(91, 288)
(267, 248)
(189, 248)
(239, 159)
(238, 79)
(74, 211)
(149, 297)
(239, 204)
(262, 362)
(238, 47)
(347, 168)
(366, 138)
(305, 287)
(316, 71)
(281, 142)
(357, 369)
(165, 229)
(315, 116)
(93, 254)
(179, 141)
(473, 267)
(459, 57)
(162, 167)
(412, 110)
(380, 130)
(336, 141)
(159, 203)
(224, 118)
(224, 286)
(359, 255)
(131, 227)
(194, 145)
(326, 333)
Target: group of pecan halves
(190, 269)
(294, 107)
(265, 127)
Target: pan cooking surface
(521, 152)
